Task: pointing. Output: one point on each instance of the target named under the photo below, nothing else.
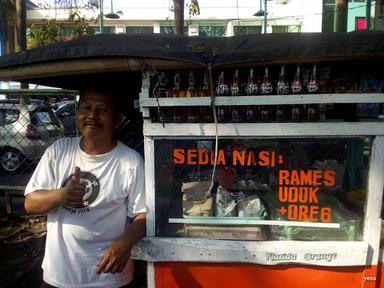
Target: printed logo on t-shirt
(92, 188)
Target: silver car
(25, 132)
(66, 112)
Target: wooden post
(8, 191)
(8, 202)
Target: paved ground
(22, 241)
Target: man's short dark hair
(110, 93)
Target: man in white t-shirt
(92, 188)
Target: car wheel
(10, 160)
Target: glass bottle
(237, 114)
(222, 90)
(266, 88)
(297, 88)
(206, 92)
(312, 112)
(192, 112)
(282, 88)
(177, 112)
(162, 92)
(251, 90)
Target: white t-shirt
(77, 237)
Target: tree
(7, 24)
(193, 9)
(179, 16)
(341, 15)
(47, 33)
(82, 27)
(21, 38)
(50, 31)
(21, 25)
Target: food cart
(247, 189)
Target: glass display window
(310, 189)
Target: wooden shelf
(289, 129)
(266, 100)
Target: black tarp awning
(112, 58)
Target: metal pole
(101, 17)
(265, 16)
(368, 15)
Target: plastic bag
(225, 204)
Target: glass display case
(295, 184)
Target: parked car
(25, 133)
(66, 112)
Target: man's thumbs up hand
(74, 191)
(76, 174)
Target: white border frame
(349, 253)
(326, 129)
(319, 253)
(374, 198)
(266, 100)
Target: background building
(216, 18)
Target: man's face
(95, 116)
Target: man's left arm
(116, 256)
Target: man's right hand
(74, 191)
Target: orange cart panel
(214, 275)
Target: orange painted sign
(234, 158)
(308, 177)
(298, 190)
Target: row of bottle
(163, 90)
(265, 113)
(253, 86)
(266, 87)
(239, 114)
(268, 113)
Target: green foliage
(48, 33)
(193, 8)
(81, 25)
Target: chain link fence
(26, 130)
